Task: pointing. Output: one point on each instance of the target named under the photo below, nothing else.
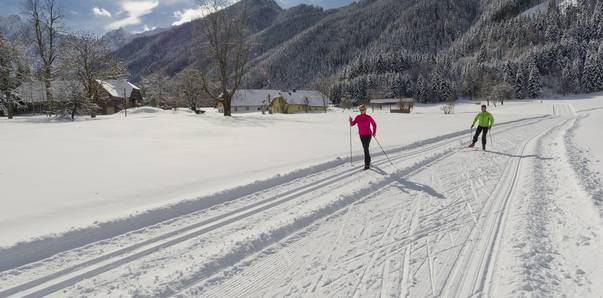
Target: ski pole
(390, 161)
(350, 125)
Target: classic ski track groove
(468, 277)
(404, 266)
(149, 246)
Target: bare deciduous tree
(190, 86)
(45, 17)
(75, 101)
(224, 41)
(158, 90)
(86, 59)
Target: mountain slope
(173, 50)
(431, 50)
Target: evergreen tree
(509, 73)
(9, 76)
(591, 74)
(534, 86)
(521, 82)
(336, 93)
(398, 88)
(422, 90)
(568, 80)
(577, 74)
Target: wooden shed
(116, 95)
(406, 106)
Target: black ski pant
(479, 130)
(366, 141)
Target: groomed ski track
(426, 227)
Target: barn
(276, 101)
(115, 95)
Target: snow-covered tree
(9, 77)
(75, 100)
(521, 82)
(422, 92)
(46, 19)
(86, 58)
(568, 80)
(190, 86)
(534, 85)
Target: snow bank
(143, 110)
(80, 174)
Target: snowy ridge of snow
(542, 7)
(152, 245)
(303, 220)
(581, 164)
(552, 240)
(144, 110)
(27, 252)
(432, 218)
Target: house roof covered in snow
(385, 101)
(253, 97)
(312, 98)
(117, 87)
(259, 97)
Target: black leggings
(366, 141)
(478, 131)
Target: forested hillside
(432, 50)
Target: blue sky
(100, 16)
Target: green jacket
(484, 119)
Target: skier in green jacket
(485, 121)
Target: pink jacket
(364, 121)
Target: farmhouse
(115, 95)
(300, 101)
(249, 100)
(275, 101)
(110, 95)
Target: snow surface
(79, 173)
(542, 7)
(166, 203)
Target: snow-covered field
(166, 203)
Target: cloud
(101, 12)
(134, 10)
(187, 15)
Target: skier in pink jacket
(364, 122)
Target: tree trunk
(227, 106)
(10, 110)
(48, 75)
(73, 111)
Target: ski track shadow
(521, 156)
(405, 185)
